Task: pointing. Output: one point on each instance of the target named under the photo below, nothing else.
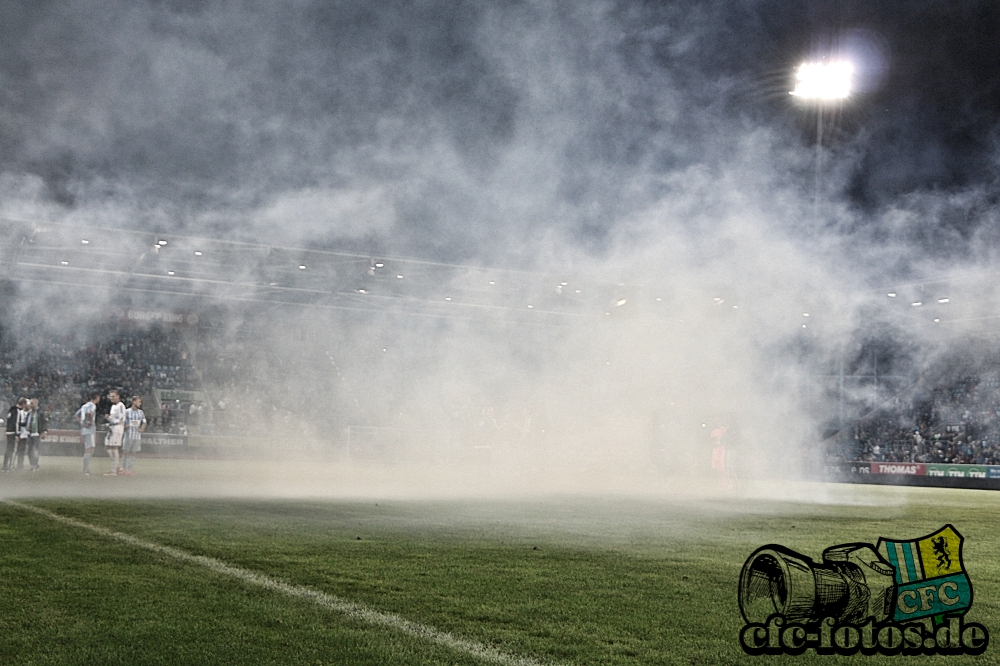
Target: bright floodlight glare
(943, 300)
(823, 81)
(891, 294)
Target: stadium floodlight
(805, 314)
(620, 302)
(379, 265)
(197, 253)
(162, 242)
(916, 304)
(85, 241)
(64, 263)
(302, 267)
(823, 81)
(891, 294)
(944, 300)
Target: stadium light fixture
(531, 307)
(302, 267)
(736, 307)
(916, 304)
(658, 299)
(805, 314)
(492, 282)
(803, 325)
(85, 242)
(578, 291)
(620, 302)
(891, 294)
(399, 277)
(162, 242)
(64, 263)
(362, 291)
(823, 82)
(197, 253)
(170, 272)
(937, 321)
(563, 284)
(447, 298)
(944, 300)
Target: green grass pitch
(610, 579)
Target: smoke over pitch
(601, 144)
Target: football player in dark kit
(14, 417)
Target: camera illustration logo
(900, 597)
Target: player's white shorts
(114, 438)
(88, 440)
(132, 444)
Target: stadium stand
(952, 418)
(61, 373)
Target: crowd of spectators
(954, 420)
(62, 373)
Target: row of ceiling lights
(917, 304)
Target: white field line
(350, 609)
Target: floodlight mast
(820, 83)
(823, 81)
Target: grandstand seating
(950, 419)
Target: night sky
(510, 133)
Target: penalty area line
(350, 609)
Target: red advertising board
(910, 469)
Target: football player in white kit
(116, 432)
(135, 425)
